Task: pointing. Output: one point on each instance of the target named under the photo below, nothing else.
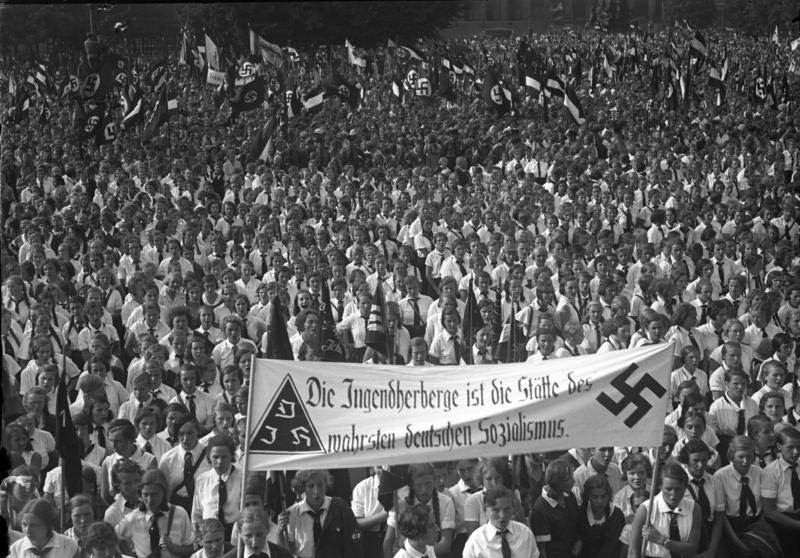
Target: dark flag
(90, 122)
(67, 442)
(12, 402)
(376, 328)
(247, 97)
(341, 87)
(470, 323)
(495, 95)
(388, 483)
(506, 350)
(106, 131)
(23, 106)
(278, 344)
(445, 89)
(330, 348)
(160, 116)
(156, 76)
(260, 144)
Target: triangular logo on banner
(286, 426)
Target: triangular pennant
(286, 426)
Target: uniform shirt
(118, 509)
(222, 354)
(171, 464)
(206, 495)
(725, 413)
(776, 484)
(459, 492)
(203, 403)
(443, 347)
(301, 527)
(52, 481)
(144, 460)
(660, 518)
(59, 546)
(730, 482)
(434, 260)
(135, 527)
(85, 335)
(158, 445)
(486, 542)
(130, 407)
(409, 551)
(115, 393)
(681, 375)
(753, 336)
(357, 326)
(407, 310)
(365, 499)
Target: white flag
(212, 54)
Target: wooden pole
(653, 485)
(248, 424)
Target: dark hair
(674, 470)
(423, 469)
(125, 426)
(493, 494)
(692, 446)
(412, 522)
(221, 440)
(634, 460)
(598, 481)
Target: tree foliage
(759, 17)
(697, 13)
(363, 23)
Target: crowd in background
(151, 273)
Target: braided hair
(423, 470)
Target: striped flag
(574, 107)
(698, 45)
(533, 83)
(134, 115)
(261, 146)
(313, 101)
(270, 53)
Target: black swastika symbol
(631, 394)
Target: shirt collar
(662, 507)
(250, 552)
(226, 477)
(413, 552)
(49, 544)
(592, 520)
(304, 507)
(546, 496)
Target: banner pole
(240, 543)
(653, 484)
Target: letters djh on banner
(316, 415)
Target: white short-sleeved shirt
(486, 542)
(59, 546)
(776, 484)
(135, 527)
(365, 498)
(731, 487)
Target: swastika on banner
(286, 426)
(631, 394)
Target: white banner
(317, 415)
(215, 78)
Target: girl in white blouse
(674, 519)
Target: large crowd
(150, 274)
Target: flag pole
(240, 543)
(656, 471)
(61, 458)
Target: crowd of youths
(148, 275)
